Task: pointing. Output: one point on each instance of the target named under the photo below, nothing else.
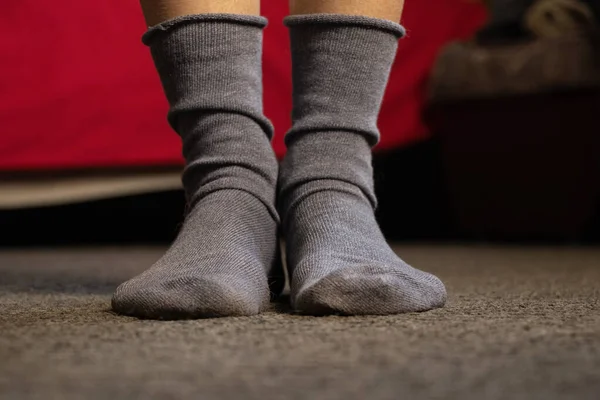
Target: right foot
(218, 266)
(210, 68)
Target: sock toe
(188, 297)
(370, 291)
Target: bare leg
(342, 52)
(384, 9)
(157, 11)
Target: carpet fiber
(521, 323)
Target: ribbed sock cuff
(346, 20)
(163, 27)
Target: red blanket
(78, 89)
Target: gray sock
(338, 258)
(210, 68)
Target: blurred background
(490, 127)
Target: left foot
(338, 258)
(341, 263)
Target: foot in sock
(338, 258)
(216, 266)
(210, 67)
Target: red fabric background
(78, 89)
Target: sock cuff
(237, 19)
(346, 20)
(210, 62)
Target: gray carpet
(521, 323)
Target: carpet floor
(521, 323)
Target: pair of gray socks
(225, 259)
